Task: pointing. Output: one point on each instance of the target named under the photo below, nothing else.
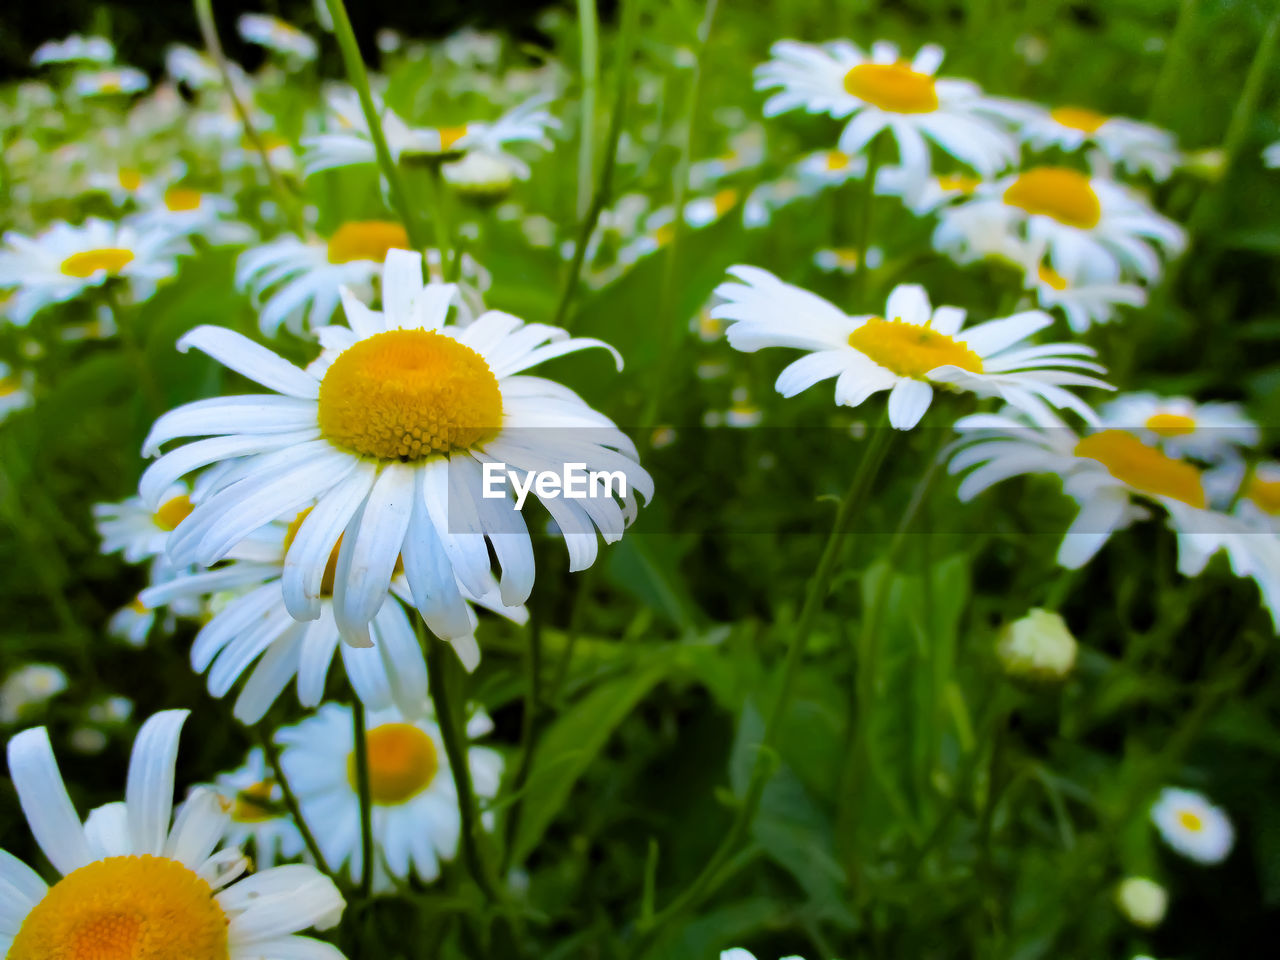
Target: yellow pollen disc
(451, 135)
(837, 160)
(125, 908)
(664, 234)
(254, 804)
(1170, 424)
(959, 182)
(8, 386)
(1052, 277)
(366, 240)
(111, 84)
(1144, 468)
(1078, 118)
(138, 607)
(910, 350)
(1264, 493)
(407, 395)
(402, 763)
(181, 199)
(173, 512)
(1190, 821)
(724, 201)
(1057, 192)
(847, 256)
(893, 87)
(130, 178)
(86, 263)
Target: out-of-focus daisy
(29, 686)
(480, 177)
(830, 168)
(885, 92)
(65, 261)
(910, 350)
(1212, 431)
(1083, 302)
(660, 226)
(134, 622)
(1142, 900)
(470, 47)
(1192, 825)
(192, 67)
(15, 388)
(277, 36)
(846, 260)
(109, 83)
(259, 820)
(1089, 227)
(924, 196)
(1271, 155)
(765, 199)
(737, 953)
(137, 531)
(387, 432)
(295, 280)
(416, 821)
(183, 211)
(746, 151)
(74, 49)
(133, 884)
(1132, 145)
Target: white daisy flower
(885, 92)
(122, 183)
(109, 83)
(133, 884)
(480, 177)
(746, 151)
(1131, 145)
(1083, 302)
(846, 260)
(29, 686)
(1212, 432)
(660, 226)
(387, 432)
(136, 531)
(74, 49)
(924, 196)
(1260, 498)
(831, 168)
(192, 67)
(1192, 825)
(416, 821)
(15, 389)
(65, 261)
(276, 35)
(1271, 155)
(908, 352)
(297, 283)
(737, 953)
(182, 211)
(1090, 227)
(132, 623)
(255, 803)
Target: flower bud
(479, 177)
(1037, 647)
(1142, 900)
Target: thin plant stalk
(272, 754)
(1174, 64)
(209, 31)
(359, 78)
(532, 700)
(589, 44)
(363, 786)
(446, 239)
(875, 153)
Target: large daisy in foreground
(134, 885)
(387, 433)
(912, 349)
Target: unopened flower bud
(1037, 647)
(1142, 900)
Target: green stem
(361, 738)
(359, 78)
(272, 754)
(875, 153)
(1172, 68)
(589, 41)
(708, 879)
(576, 614)
(532, 698)
(209, 31)
(604, 188)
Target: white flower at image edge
(386, 433)
(908, 352)
(133, 884)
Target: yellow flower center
(837, 160)
(1052, 277)
(86, 263)
(110, 83)
(125, 908)
(893, 87)
(1190, 821)
(181, 199)
(366, 240)
(451, 135)
(255, 804)
(130, 178)
(402, 763)
(1057, 192)
(1142, 467)
(724, 201)
(408, 394)
(847, 256)
(1170, 424)
(959, 182)
(910, 350)
(1264, 493)
(138, 607)
(173, 512)
(8, 386)
(1078, 118)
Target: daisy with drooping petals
(1212, 432)
(255, 804)
(110, 83)
(276, 35)
(1192, 825)
(136, 531)
(910, 350)
(416, 821)
(1132, 145)
(1084, 302)
(136, 885)
(65, 261)
(885, 92)
(387, 433)
(74, 49)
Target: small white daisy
(1271, 155)
(910, 351)
(183, 212)
(135, 884)
(276, 35)
(255, 804)
(65, 261)
(1084, 302)
(831, 168)
(111, 82)
(1132, 145)
(416, 821)
(131, 528)
(1192, 825)
(1212, 431)
(924, 196)
(846, 260)
(387, 432)
(885, 92)
(192, 67)
(29, 686)
(74, 49)
(15, 388)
